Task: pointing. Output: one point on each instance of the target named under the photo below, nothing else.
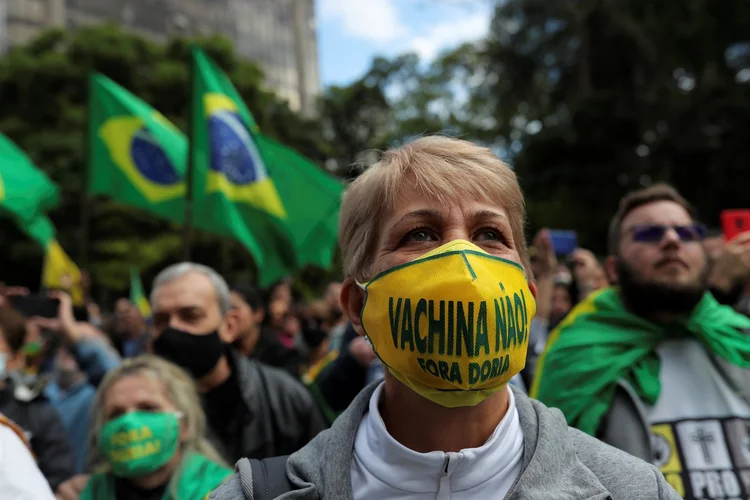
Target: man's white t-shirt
(20, 478)
(384, 468)
(700, 426)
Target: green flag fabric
(280, 205)
(601, 343)
(312, 200)
(233, 190)
(26, 194)
(195, 479)
(25, 191)
(136, 156)
(137, 296)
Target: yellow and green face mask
(453, 325)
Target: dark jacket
(49, 440)
(280, 414)
(559, 462)
(339, 383)
(271, 352)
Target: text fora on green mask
(133, 444)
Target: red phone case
(734, 222)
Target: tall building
(280, 35)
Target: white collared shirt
(384, 468)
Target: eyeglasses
(654, 233)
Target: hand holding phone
(735, 222)
(564, 242)
(35, 305)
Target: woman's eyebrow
(488, 214)
(419, 214)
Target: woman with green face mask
(148, 437)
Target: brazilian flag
(136, 155)
(279, 204)
(233, 189)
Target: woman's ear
(352, 301)
(532, 287)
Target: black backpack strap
(269, 478)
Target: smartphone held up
(735, 222)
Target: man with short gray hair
(254, 410)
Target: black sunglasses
(654, 233)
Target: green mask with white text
(140, 442)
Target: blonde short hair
(179, 389)
(438, 167)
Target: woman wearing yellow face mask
(438, 280)
(148, 436)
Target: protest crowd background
(172, 269)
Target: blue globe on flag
(233, 150)
(150, 159)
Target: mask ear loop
(363, 287)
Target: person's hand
(72, 488)
(65, 314)
(545, 253)
(6, 292)
(362, 352)
(51, 324)
(90, 332)
(14, 291)
(588, 272)
(585, 265)
(732, 265)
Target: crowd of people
(412, 378)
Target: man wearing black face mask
(253, 409)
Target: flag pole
(86, 199)
(187, 228)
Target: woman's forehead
(449, 192)
(413, 204)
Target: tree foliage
(587, 99)
(603, 96)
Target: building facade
(279, 35)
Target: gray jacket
(626, 427)
(559, 463)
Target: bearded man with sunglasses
(656, 366)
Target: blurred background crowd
(585, 99)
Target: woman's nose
(456, 232)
